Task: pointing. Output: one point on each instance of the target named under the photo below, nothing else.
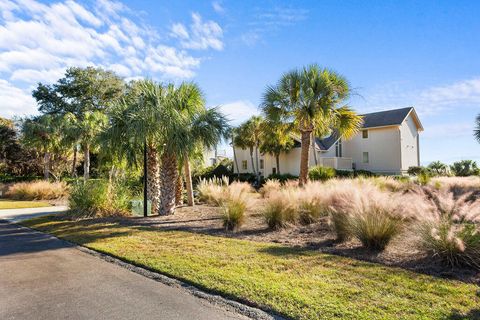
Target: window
(365, 134)
(365, 157)
(274, 170)
(338, 148)
(244, 164)
(261, 164)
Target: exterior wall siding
(409, 142)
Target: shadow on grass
(473, 314)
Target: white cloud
(427, 101)
(38, 41)
(200, 35)
(239, 111)
(15, 101)
(217, 6)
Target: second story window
(365, 134)
(244, 164)
(338, 148)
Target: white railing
(339, 163)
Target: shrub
(438, 168)
(364, 173)
(452, 231)
(37, 190)
(281, 209)
(99, 199)
(320, 173)
(465, 168)
(282, 177)
(344, 173)
(416, 170)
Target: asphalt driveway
(42, 277)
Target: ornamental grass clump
(37, 190)
(270, 186)
(212, 191)
(362, 211)
(451, 232)
(281, 208)
(235, 203)
(313, 202)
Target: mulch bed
(400, 253)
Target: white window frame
(367, 158)
(244, 164)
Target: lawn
(294, 282)
(12, 204)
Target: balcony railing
(339, 163)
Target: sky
(395, 54)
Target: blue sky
(394, 53)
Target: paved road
(42, 277)
(27, 213)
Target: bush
(344, 174)
(438, 168)
(320, 173)
(364, 173)
(423, 178)
(282, 177)
(452, 232)
(99, 199)
(417, 170)
(465, 168)
(37, 190)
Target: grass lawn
(12, 204)
(296, 283)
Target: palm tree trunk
(251, 158)
(314, 150)
(74, 163)
(153, 178)
(304, 158)
(256, 160)
(179, 190)
(277, 160)
(46, 165)
(188, 182)
(168, 178)
(86, 163)
(235, 160)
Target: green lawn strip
(13, 204)
(297, 283)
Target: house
(388, 143)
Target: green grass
(12, 204)
(296, 283)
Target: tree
(43, 133)
(134, 125)
(465, 168)
(276, 139)
(476, 132)
(438, 168)
(85, 94)
(248, 135)
(312, 100)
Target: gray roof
(370, 120)
(385, 118)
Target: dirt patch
(318, 236)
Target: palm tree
(276, 139)
(134, 125)
(438, 168)
(312, 101)
(249, 135)
(43, 133)
(476, 132)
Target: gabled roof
(374, 120)
(389, 118)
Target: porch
(339, 163)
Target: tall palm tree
(197, 128)
(276, 139)
(476, 132)
(134, 125)
(43, 133)
(312, 99)
(249, 135)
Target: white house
(388, 143)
